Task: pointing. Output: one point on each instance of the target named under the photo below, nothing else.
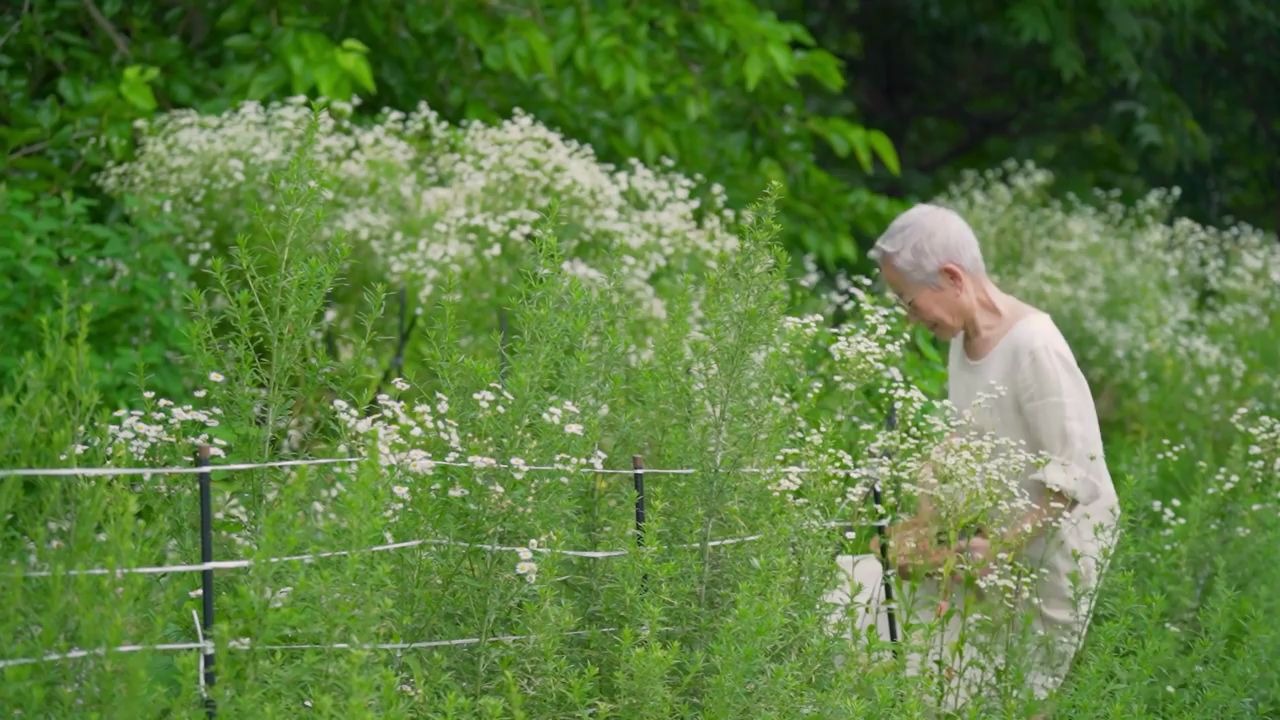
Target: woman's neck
(991, 312)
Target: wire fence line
(204, 469)
(406, 544)
(244, 645)
(112, 471)
(119, 649)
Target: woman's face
(940, 309)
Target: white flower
(400, 491)
(528, 569)
(278, 597)
(573, 429)
(458, 491)
(524, 553)
(400, 384)
(519, 468)
(216, 377)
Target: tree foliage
(1128, 94)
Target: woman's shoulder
(1041, 337)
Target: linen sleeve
(1062, 424)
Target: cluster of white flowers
(493, 397)
(151, 436)
(558, 414)
(138, 432)
(415, 441)
(526, 567)
(393, 428)
(431, 200)
(1152, 296)
(1261, 435)
(975, 478)
(864, 352)
(1250, 485)
(1169, 518)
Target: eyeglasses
(906, 303)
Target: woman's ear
(953, 276)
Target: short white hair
(923, 239)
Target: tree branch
(105, 25)
(26, 6)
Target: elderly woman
(930, 259)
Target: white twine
(110, 471)
(77, 653)
(204, 693)
(244, 645)
(247, 562)
(86, 472)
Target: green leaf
(242, 43)
(495, 56)
(693, 107)
(357, 68)
(753, 69)
(800, 34)
(607, 71)
(516, 58)
(1030, 22)
(840, 145)
(540, 47)
(267, 82)
(71, 89)
(844, 136)
(884, 150)
(925, 345)
(234, 16)
(315, 46)
(355, 45)
(783, 61)
(862, 149)
(821, 66)
(134, 88)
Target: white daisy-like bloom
(429, 200)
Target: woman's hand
(976, 553)
(912, 552)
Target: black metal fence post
(890, 423)
(637, 465)
(206, 589)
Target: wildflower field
(495, 332)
